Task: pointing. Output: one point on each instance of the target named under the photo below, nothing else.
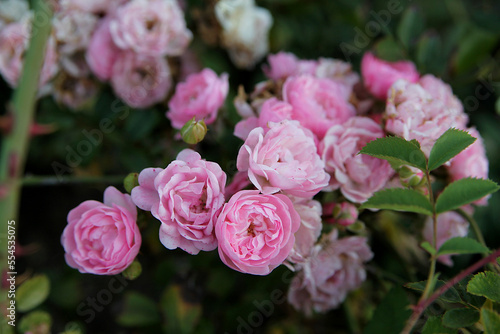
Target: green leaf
(428, 247)
(461, 245)
(410, 26)
(138, 310)
(36, 322)
(460, 317)
(485, 284)
(450, 296)
(433, 325)
(141, 123)
(397, 151)
(491, 321)
(429, 54)
(399, 199)
(473, 47)
(462, 192)
(388, 49)
(32, 293)
(181, 316)
(395, 304)
(451, 143)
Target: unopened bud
(133, 271)
(131, 181)
(345, 213)
(194, 131)
(410, 176)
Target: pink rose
(186, 197)
(256, 231)
(273, 110)
(317, 103)
(284, 64)
(379, 75)
(283, 159)
(357, 175)
(102, 52)
(14, 39)
(471, 162)
(102, 238)
(139, 80)
(337, 70)
(200, 96)
(413, 112)
(335, 268)
(310, 228)
(151, 27)
(449, 225)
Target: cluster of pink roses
(302, 131)
(127, 43)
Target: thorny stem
(15, 143)
(425, 302)
(477, 231)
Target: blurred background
(456, 40)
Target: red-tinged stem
(423, 304)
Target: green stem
(34, 181)
(432, 271)
(15, 143)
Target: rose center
(250, 229)
(150, 24)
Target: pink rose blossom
(102, 238)
(283, 159)
(186, 197)
(310, 228)
(335, 268)
(14, 39)
(337, 70)
(284, 64)
(200, 96)
(256, 231)
(272, 110)
(379, 75)
(139, 80)
(442, 92)
(317, 103)
(357, 175)
(449, 225)
(413, 112)
(151, 27)
(471, 162)
(102, 52)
